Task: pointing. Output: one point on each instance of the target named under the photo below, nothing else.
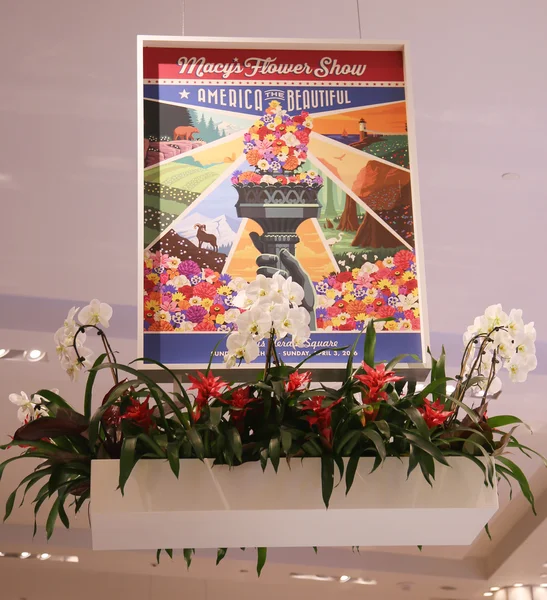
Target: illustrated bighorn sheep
(205, 238)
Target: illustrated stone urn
(279, 210)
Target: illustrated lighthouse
(362, 130)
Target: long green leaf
(274, 450)
(55, 399)
(370, 344)
(262, 553)
(425, 445)
(521, 480)
(351, 469)
(91, 376)
(52, 518)
(234, 440)
(173, 457)
(503, 420)
(197, 442)
(418, 420)
(377, 440)
(221, 553)
(112, 397)
(127, 460)
(188, 554)
(327, 477)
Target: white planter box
(243, 507)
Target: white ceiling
(68, 198)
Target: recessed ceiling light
(543, 585)
(362, 581)
(344, 578)
(510, 176)
(488, 594)
(24, 554)
(72, 559)
(35, 355)
(518, 584)
(495, 589)
(311, 577)
(2, 554)
(3, 352)
(44, 556)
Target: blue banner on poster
(174, 349)
(254, 100)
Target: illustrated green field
(394, 149)
(169, 189)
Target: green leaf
(261, 559)
(370, 344)
(182, 395)
(349, 366)
(173, 457)
(8, 461)
(487, 529)
(418, 420)
(55, 401)
(348, 442)
(62, 513)
(146, 439)
(169, 553)
(438, 372)
(503, 420)
(215, 415)
(234, 441)
(112, 397)
(327, 477)
(425, 445)
(92, 375)
(432, 387)
(197, 442)
(127, 460)
(274, 452)
(315, 549)
(383, 428)
(221, 553)
(286, 441)
(52, 518)
(188, 554)
(9, 504)
(351, 469)
(377, 440)
(521, 480)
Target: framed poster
(259, 155)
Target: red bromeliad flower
(375, 380)
(322, 416)
(298, 382)
(140, 413)
(239, 405)
(208, 386)
(433, 413)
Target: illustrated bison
(184, 132)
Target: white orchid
(96, 312)
(240, 347)
(271, 306)
(506, 337)
(29, 408)
(293, 321)
(70, 325)
(255, 322)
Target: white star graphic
(184, 94)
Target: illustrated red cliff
(265, 161)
